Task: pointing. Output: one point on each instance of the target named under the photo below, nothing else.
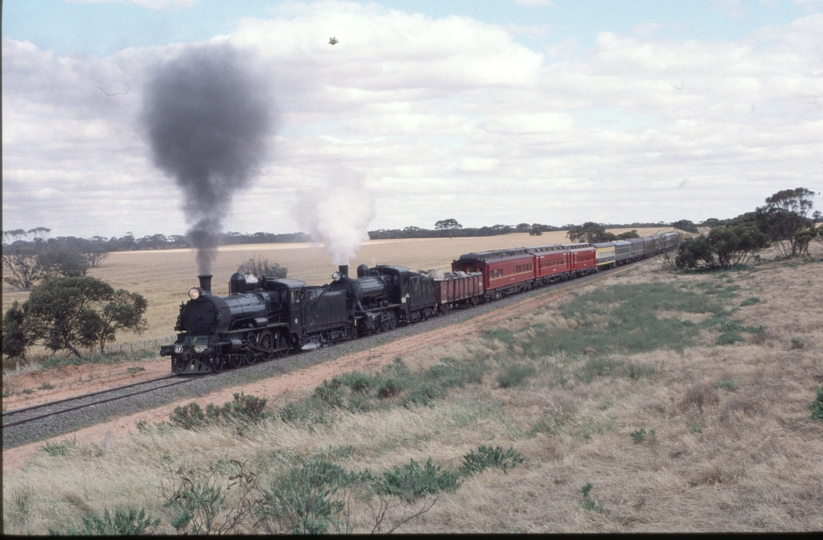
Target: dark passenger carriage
(638, 248)
(622, 251)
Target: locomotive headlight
(336, 276)
(194, 293)
(200, 348)
(178, 349)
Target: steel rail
(178, 381)
(83, 396)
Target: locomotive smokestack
(205, 282)
(344, 270)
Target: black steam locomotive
(263, 319)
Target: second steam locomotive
(266, 318)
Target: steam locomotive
(267, 318)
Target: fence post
(106, 442)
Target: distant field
(165, 276)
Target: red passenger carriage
(504, 271)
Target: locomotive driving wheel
(282, 344)
(251, 353)
(265, 343)
(385, 325)
(236, 360)
(217, 362)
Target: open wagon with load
(457, 289)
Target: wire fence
(136, 346)
(37, 357)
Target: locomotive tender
(264, 319)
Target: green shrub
(60, 449)
(817, 407)
(411, 481)
(130, 522)
(195, 502)
(797, 343)
(750, 301)
(243, 410)
(453, 373)
(640, 435)
(329, 393)
(514, 375)
(729, 338)
(260, 266)
(303, 501)
(189, 416)
(423, 394)
(490, 457)
(619, 319)
(390, 387)
(357, 381)
(588, 502)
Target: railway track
(34, 413)
(45, 410)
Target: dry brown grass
(734, 448)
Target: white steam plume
(338, 214)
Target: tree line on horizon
(30, 256)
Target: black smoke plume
(208, 118)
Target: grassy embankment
(662, 401)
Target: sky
(485, 111)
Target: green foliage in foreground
(486, 457)
(816, 407)
(588, 502)
(63, 448)
(304, 500)
(307, 496)
(242, 411)
(411, 481)
(128, 522)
